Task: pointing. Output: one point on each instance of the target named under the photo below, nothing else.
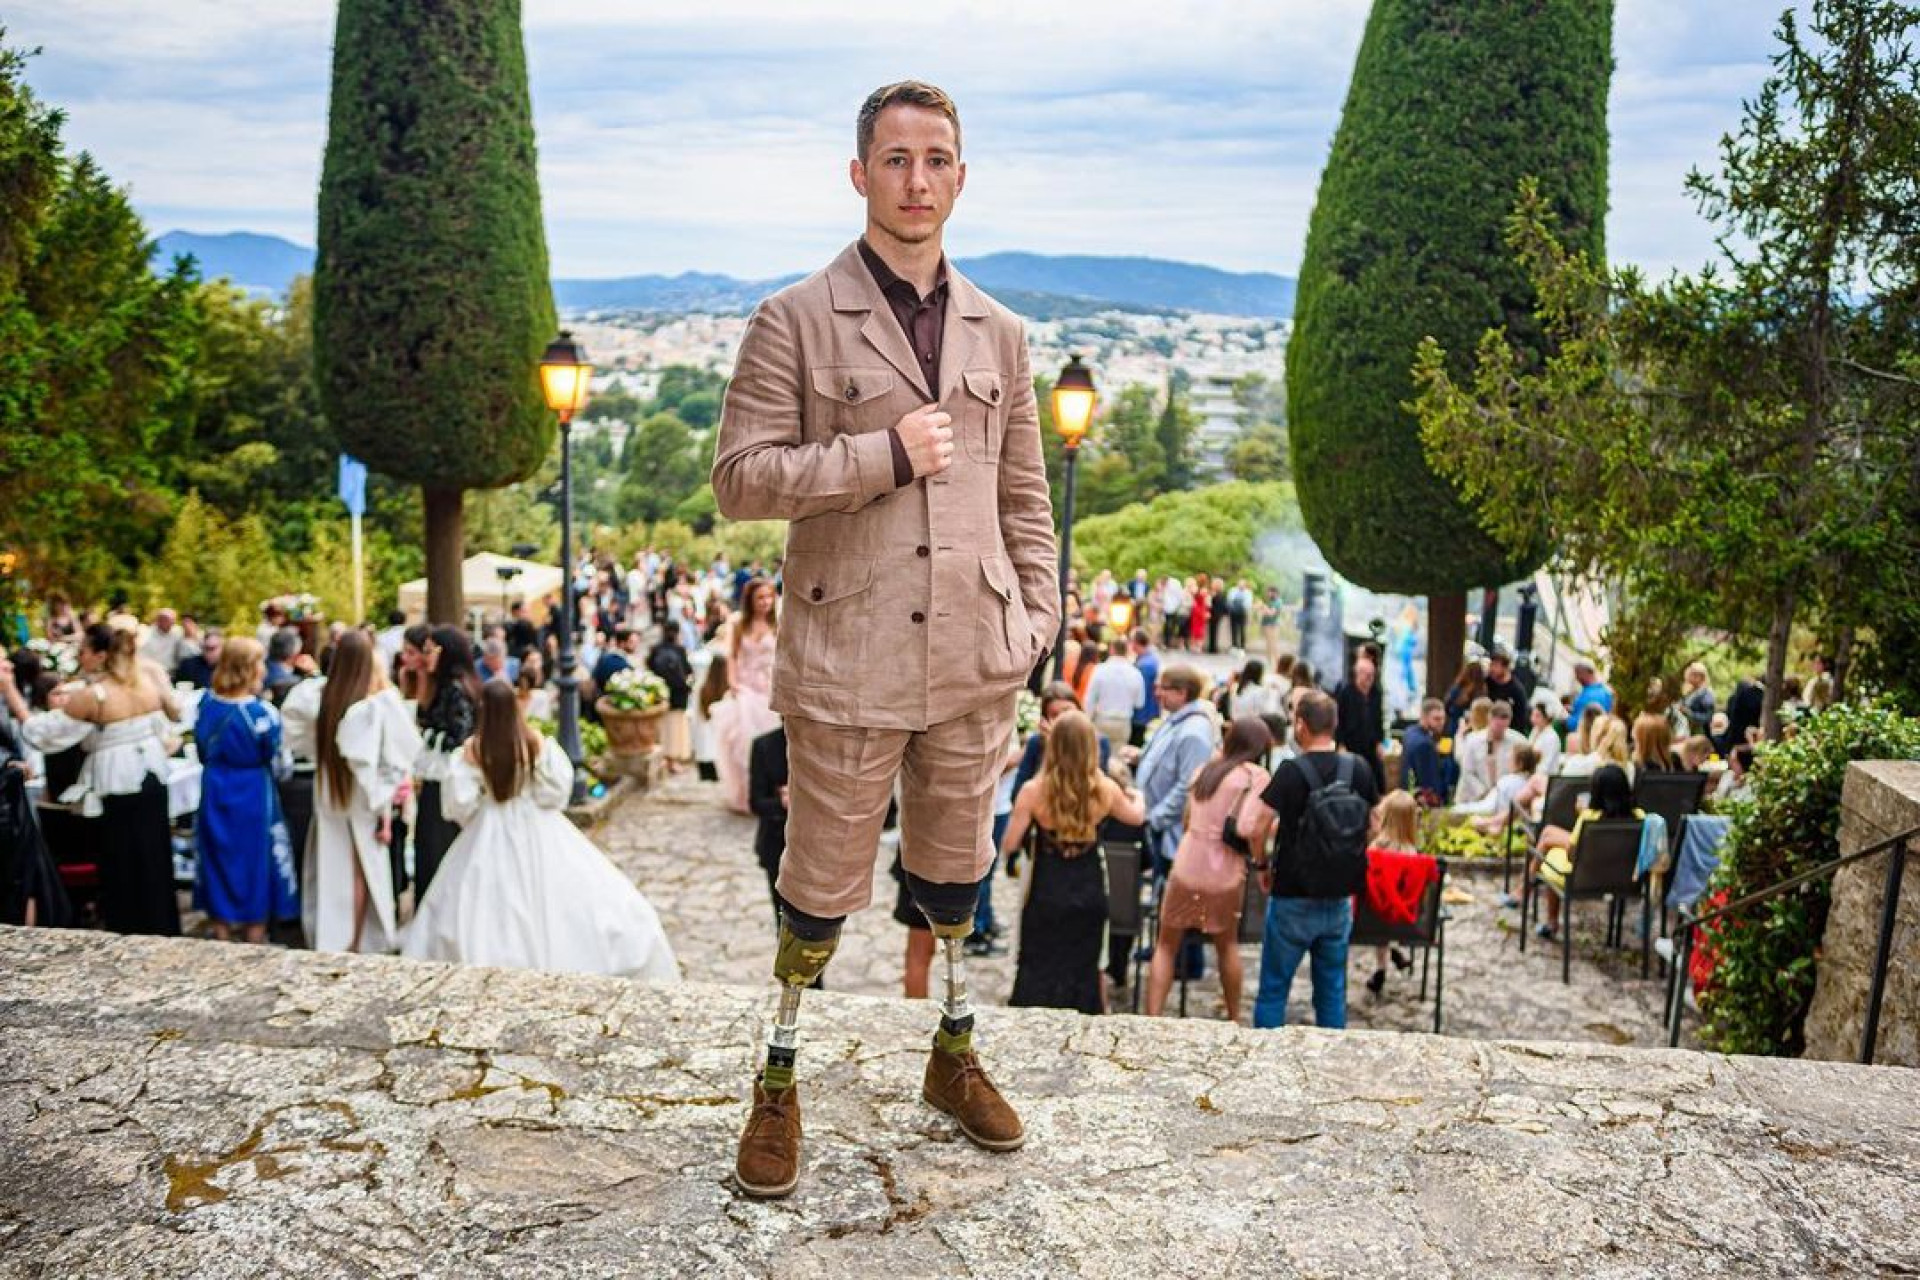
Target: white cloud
(716, 137)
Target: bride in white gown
(522, 887)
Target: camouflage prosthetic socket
(806, 944)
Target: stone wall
(178, 1108)
(1881, 799)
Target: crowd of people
(423, 768)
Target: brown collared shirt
(923, 322)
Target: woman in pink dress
(744, 714)
(1207, 886)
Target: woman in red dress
(1202, 594)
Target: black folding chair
(1132, 903)
(1561, 808)
(1427, 931)
(1674, 796)
(1604, 862)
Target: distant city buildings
(1124, 348)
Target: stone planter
(630, 733)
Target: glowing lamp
(565, 372)
(1073, 398)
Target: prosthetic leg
(768, 1164)
(955, 1082)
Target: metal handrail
(1889, 913)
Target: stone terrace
(181, 1108)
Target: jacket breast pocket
(980, 422)
(828, 621)
(849, 398)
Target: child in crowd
(1399, 833)
(700, 723)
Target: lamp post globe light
(1073, 398)
(565, 372)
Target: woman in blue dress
(246, 879)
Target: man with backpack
(1322, 804)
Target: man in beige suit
(884, 407)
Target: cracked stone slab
(179, 1108)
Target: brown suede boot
(769, 1162)
(957, 1084)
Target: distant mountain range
(1036, 285)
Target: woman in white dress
(363, 742)
(120, 716)
(522, 888)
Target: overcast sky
(715, 136)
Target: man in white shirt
(1484, 757)
(166, 644)
(1114, 693)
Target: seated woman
(1653, 744)
(1611, 797)
(1207, 887)
(1063, 925)
(1517, 788)
(1607, 741)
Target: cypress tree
(1452, 103)
(431, 296)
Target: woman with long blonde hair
(1063, 925)
(120, 712)
(245, 876)
(363, 741)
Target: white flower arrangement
(635, 690)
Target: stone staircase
(179, 1108)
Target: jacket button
(817, 592)
(853, 392)
(922, 552)
(994, 395)
(919, 617)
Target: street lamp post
(564, 374)
(1073, 398)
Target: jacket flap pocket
(852, 385)
(1000, 576)
(984, 384)
(821, 578)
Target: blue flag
(353, 484)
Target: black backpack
(1330, 849)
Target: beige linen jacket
(903, 607)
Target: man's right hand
(927, 435)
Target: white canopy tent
(485, 590)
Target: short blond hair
(905, 93)
(240, 658)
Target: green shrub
(1763, 983)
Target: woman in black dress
(1063, 926)
(449, 699)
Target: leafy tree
(616, 405)
(1174, 432)
(432, 303)
(1215, 529)
(92, 347)
(1736, 449)
(215, 568)
(1260, 454)
(666, 463)
(1452, 103)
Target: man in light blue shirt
(1184, 742)
(1593, 692)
